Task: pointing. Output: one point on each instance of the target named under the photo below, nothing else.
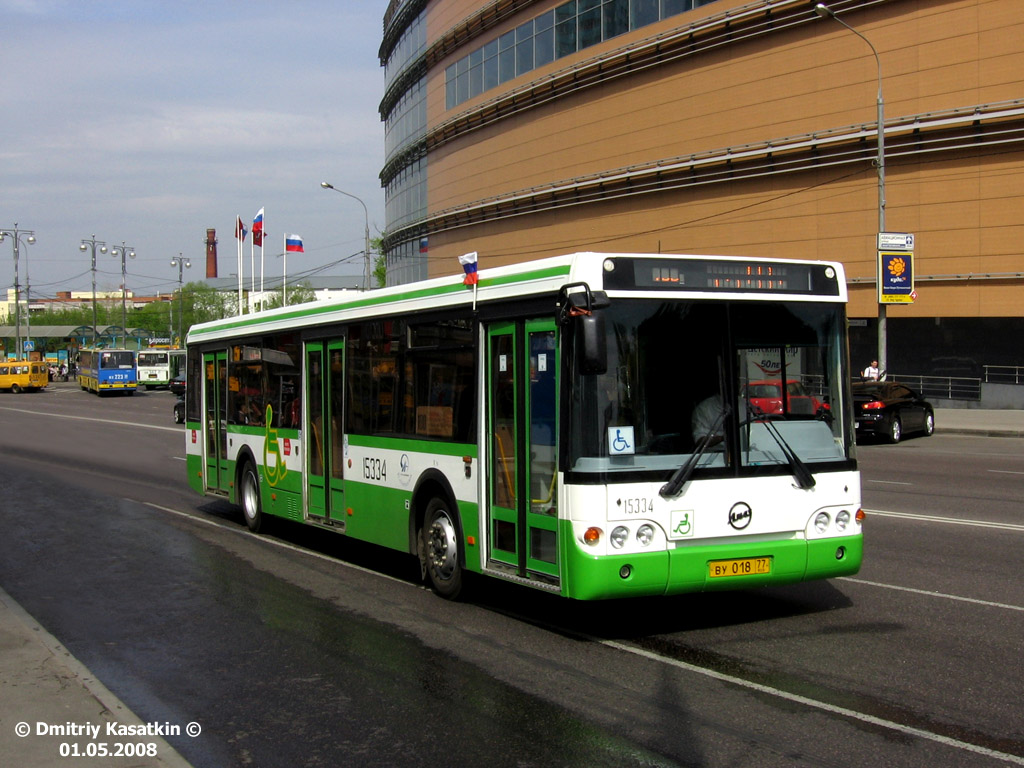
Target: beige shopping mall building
(527, 128)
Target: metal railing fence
(1004, 374)
(942, 387)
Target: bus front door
(215, 408)
(324, 431)
(522, 509)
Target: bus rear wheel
(16, 389)
(440, 546)
(249, 495)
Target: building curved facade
(521, 129)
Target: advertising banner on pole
(896, 268)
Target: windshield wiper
(804, 478)
(680, 476)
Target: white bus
(579, 424)
(158, 365)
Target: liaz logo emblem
(740, 515)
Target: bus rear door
(522, 509)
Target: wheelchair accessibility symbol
(620, 441)
(681, 524)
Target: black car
(179, 410)
(889, 410)
(177, 385)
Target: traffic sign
(895, 241)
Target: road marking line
(90, 418)
(930, 593)
(946, 520)
(813, 703)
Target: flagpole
(238, 236)
(263, 254)
(284, 274)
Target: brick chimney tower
(211, 253)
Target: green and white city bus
(592, 425)
(157, 365)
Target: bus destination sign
(719, 275)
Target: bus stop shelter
(37, 338)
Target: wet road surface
(289, 653)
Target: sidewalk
(979, 421)
(44, 688)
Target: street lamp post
(18, 236)
(90, 245)
(825, 12)
(125, 252)
(366, 232)
(181, 264)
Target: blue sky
(148, 121)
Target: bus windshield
(117, 360)
(748, 385)
(152, 358)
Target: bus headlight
(645, 534)
(618, 536)
(821, 522)
(842, 520)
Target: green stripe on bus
(406, 445)
(304, 311)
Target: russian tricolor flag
(468, 262)
(257, 229)
(293, 244)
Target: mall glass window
(563, 31)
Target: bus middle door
(522, 395)
(215, 393)
(323, 431)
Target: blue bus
(107, 370)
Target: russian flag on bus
(257, 229)
(468, 262)
(293, 244)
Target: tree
(203, 303)
(297, 294)
(380, 262)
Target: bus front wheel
(440, 544)
(249, 495)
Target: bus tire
(441, 549)
(15, 389)
(249, 497)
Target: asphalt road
(302, 648)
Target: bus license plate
(746, 566)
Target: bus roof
(524, 279)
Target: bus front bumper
(688, 569)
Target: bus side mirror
(591, 343)
(581, 307)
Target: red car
(765, 397)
